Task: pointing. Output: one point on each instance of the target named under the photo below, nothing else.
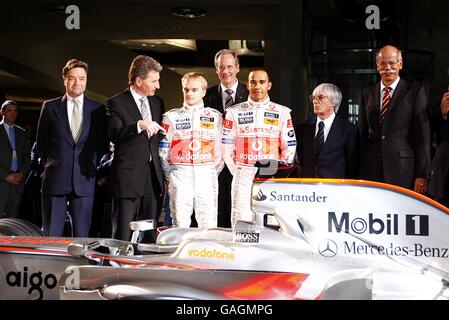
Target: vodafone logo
(257, 145)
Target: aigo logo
(33, 281)
(41, 283)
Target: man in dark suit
(229, 92)
(136, 179)
(439, 181)
(394, 127)
(327, 150)
(70, 141)
(15, 153)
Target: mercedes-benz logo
(328, 248)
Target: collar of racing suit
(192, 108)
(260, 103)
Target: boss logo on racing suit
(183, 126)
(271, 115)
(227, 124)
(245, 120)
(273, 122)
(246, 237)
(206, 119)
(415, 225)
(33, 281)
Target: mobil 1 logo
(413, 225)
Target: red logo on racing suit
(289, 123)
(227, 124)
(165, 126)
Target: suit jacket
(397, 150)
(438, 185)
(213, 98)
(69, 165)
(132, 151)
(23, 150)
(337, 159)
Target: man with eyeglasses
(394, 127)
(327, 143)
(228, 92)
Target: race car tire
(19, 227)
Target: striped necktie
(386, 101)
(77, 121)
(319, 139)
(143, 108)
(229, 101)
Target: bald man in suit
(394, 127)
(14, 147)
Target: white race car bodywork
(309, 239)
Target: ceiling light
(189, 13)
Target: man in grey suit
(394, 127)
(15, 153)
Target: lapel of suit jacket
(154, 108)
(398, 93)
(4, 134)
(132, 107)
(63, 118)
(241, 95)
(87, 106)
(334, 133)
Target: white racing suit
(191, 155)
(252, 132)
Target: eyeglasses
(319, 98)
(388, 63)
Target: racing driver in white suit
(191, 154)
(256, 130)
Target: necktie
(229, 101)
(145, 114)
(77, 121)
(12, 140)
(143, 108)
(386, 99)
(319, 139)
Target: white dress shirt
(327, 125)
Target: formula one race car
(309, 239)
